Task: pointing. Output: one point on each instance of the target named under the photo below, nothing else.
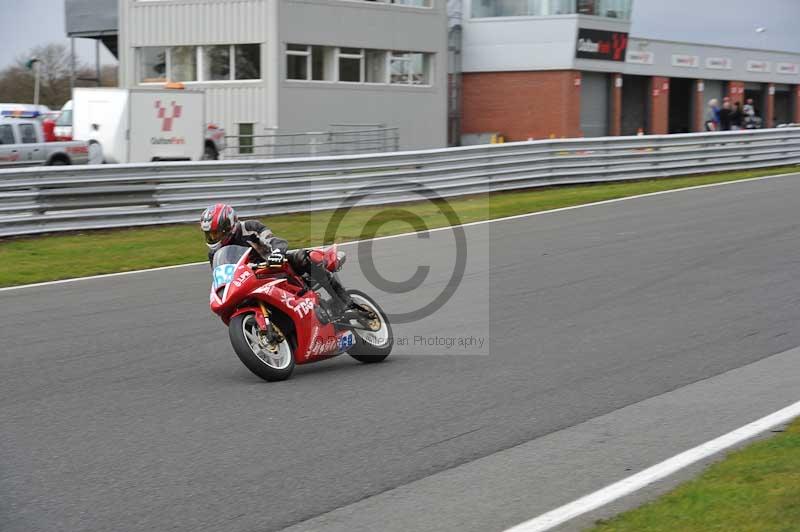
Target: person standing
(712, 115)
(750, 120)
(725, 116)
(736, 116)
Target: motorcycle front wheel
(271, 363)
(371, 345)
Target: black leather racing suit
(254, 234)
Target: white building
(296, 66)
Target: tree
(17, 81)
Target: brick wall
(769, 114)
(699, 106)
(616, 105)
(659, 105)
(522, 105)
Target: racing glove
(276, 258)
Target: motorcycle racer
(222, 227)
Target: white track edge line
(470, 224)
(655, 473)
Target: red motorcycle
(278, 319)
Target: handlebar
(262, 265)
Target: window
(248, 61)
(7, 135)
(305, 62)
(398, 68)
(415, 3)
(183, 63)
(298, 61)
(65, 118)
(216, 63)
(246, 138)
(318, 63)
(375, 66)
(409, 68)
(351, 65)
(355, 65)
(536, 8)
(227, 62)
(153, 65)
(420, 67)
(28, 133)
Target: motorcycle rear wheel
(371, 346)
(270, 366)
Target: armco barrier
(49, 199)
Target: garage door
(714, 88)
(594, 104)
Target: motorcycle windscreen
(224, 265)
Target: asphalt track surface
(122, 406)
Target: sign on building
(719, 63)
(601, 44)
(758, 66)
(640, 58)
(689, 61)
(787, 68)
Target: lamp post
(33, 64)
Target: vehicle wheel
(210, 153)
(375, 345)
(277, 366)
(59, 162)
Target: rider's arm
(262, 238)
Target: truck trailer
(141, 125)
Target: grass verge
(754, 489)
(47, 258)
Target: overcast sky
(28, 23)
(725, 22)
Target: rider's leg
(302, 263)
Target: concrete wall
(419, 112)
(275, 104)
(530, 43)
(734, 60)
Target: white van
(63, 129)
(141, 125)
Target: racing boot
(345, 302)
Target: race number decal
(346, 341)
(223, 274)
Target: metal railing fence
(341, 140)
(48, 199)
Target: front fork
(269, 336)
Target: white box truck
(141, 125)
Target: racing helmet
(219, 224)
